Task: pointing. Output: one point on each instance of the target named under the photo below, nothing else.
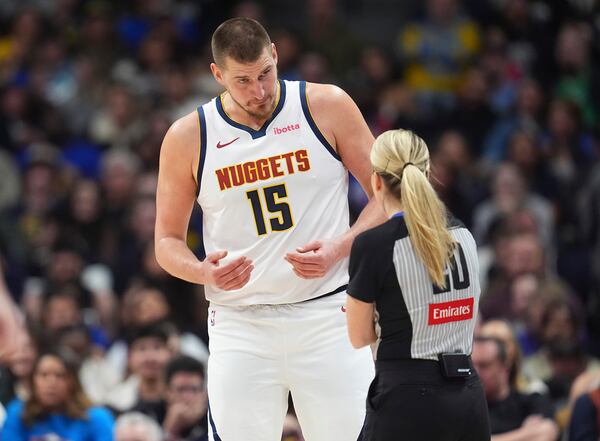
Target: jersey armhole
(202, 148)
(313, 124)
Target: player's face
(252, 86)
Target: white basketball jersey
(265, 192)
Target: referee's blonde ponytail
(401, 158)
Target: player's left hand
(314, 259)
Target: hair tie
(406, 165)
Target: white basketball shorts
(260, 353)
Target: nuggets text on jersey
(262, 169)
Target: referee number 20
(459, 275)
(278, 212)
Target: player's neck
(240, 115)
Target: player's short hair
(241, 39)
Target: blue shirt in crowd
(97, 427)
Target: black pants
(411, 401)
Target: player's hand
(229, 276)
(314, 259)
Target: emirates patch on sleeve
(454, 311)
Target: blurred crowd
(505, 92)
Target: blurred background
(505, 92)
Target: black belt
(425, 369)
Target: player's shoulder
(326, 95)
(185, 126)
(183, 135)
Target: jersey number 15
(275, 202)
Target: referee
(418, 273)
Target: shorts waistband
(335, 291)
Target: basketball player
(267, 161)
(419, 272)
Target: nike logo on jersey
(343, 309)
(220, 146)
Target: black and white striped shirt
(417, 319)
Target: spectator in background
(329, 35)
(436, 52)
(577, 79)
(530, 295)
(60, 310)
(526, 31)
(135, 426)
(186, 401)
(501, 330)
(82, 219)
(472, 117)
(145, 386)
(561, 334)
(455, 176)
(290, 49)
(523, 255)
(526, 116)
(569, 148)
(117, 124)
(96, 375)
(509, 193)
(57, 406)
(501, 71)
(27, 228)
(118, 174)
(187, 308)
(144, 305)
(138, 233)
(525, 152)
(513, 415)
(17, 367)
(585, 420)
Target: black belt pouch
(455, 365)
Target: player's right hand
(232, 275)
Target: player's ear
(217, 73)
(274, 52)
